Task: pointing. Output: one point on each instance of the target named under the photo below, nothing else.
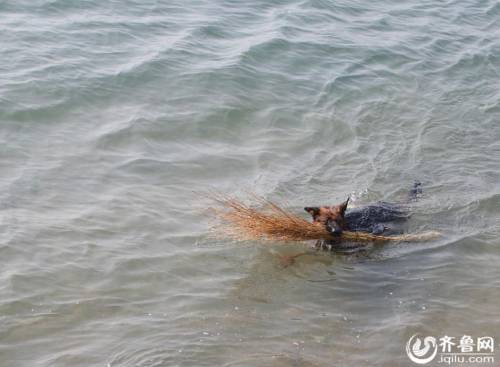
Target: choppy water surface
(115, 115)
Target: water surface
(114, 116)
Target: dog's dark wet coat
(376, 218)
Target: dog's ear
(343, 206)
(313, 210)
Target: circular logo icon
(421, 353)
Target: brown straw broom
(242, 222)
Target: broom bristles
(242, 222)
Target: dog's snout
(333, 228)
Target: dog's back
(382, 217)
(377, 218)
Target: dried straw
(242, 222)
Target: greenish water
(114, 116)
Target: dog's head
(332, 217)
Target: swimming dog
(378, 218)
